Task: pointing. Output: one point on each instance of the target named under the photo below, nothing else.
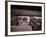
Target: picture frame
(23, 7)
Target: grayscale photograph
(25, 18)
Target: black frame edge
(27, 2)
(6, 16)
(44, 18)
